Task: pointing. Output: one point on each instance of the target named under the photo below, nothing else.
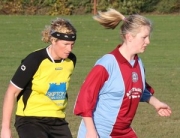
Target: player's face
(62, 48)
(141, 40)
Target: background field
(19, 35)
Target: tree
(95, 7)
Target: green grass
(21, 34)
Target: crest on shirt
(134, 77)
(23, 67)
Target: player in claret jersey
(110, 94)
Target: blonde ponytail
(109, 19)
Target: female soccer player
(110, 94)
(40, 86)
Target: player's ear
(128, 37)
(53, 40)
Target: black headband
(62, 36)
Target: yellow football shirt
(44, 83)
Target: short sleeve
(148, 92)
(25, 71)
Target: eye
(67, 44)
(145, 37)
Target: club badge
(134, 77)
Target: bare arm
(91, 130)
(8, 105)
(162, 108)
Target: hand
(6, 133)
(163, 109)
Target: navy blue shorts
(42, 127)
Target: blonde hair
(131, 24)
(58, 25)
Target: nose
(69, 48)
(147, 40)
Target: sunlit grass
(21, 34)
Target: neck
(126, 52)
(52, 53)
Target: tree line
(72, 7)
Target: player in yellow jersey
(40, 86)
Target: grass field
(21, 34)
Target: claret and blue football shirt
(110, 95)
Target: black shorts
(42, 127)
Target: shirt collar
(119, 57)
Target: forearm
(7, 110)
(153, 101)
(8, 105)
(89, 123)
(162, 108)
(91, 130)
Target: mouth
(66, 54)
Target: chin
(142, 51)
(64, 57)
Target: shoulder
(140, 62)
(106, 60)
(72, 57)
(36, 56)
